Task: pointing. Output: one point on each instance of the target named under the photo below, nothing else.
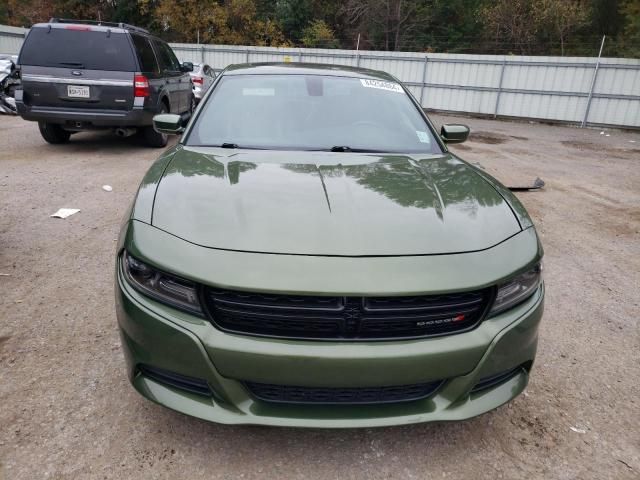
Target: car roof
(306, 69)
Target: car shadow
(106, 141)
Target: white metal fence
(569, 89)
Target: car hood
(322, 203)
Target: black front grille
(346, 318)
(341, 396)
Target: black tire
(192, 107)
(152, 137)
(53, 133)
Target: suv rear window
(65, 47)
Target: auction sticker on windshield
(382, 85)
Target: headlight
(161, 286)
(517, 290)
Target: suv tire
(152, 137)
(53, 133)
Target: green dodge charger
(311, 254)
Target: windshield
(311, 112)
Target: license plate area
(74, 91)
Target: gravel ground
(67, 410)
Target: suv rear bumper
(82, 118)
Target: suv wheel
(153, 138)
(53, 133)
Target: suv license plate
(77, 92)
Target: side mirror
(168, 123)
(454, 133)
(186, 67)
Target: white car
(202, 78)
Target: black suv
(81, 75)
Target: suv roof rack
(99, 24)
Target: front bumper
(157, 335)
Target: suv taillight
(197, 80)
(140, 86)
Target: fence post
(202, 54)
(358, 59)
(593, 84)
(504, 65)
(424, 78)
(247, 55)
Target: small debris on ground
(65, 212)
(538, 183)
(107, 188)
(5, 274)
(578, 430)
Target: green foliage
(4, 13)
(319, 35)
(532, 27)
(294, 16)
(631, 12)
(134, 12)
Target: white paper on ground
(65, 212)
(107, 188)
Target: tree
(23, 13)
(4, 13)
(186, 20)
(543, 27)
(319, 35)
(233, 23)
(386, 24)
(452, 26)
(294, 16)
(243, 26)
(631, 12)
(137, 13)
(559, 17)
(510, 22)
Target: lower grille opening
(176, 380)
(492, 381)
(341, 395)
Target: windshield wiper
(345, 148)
(72, 64)
(229, 145)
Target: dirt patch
(631, 153)
(488, 138)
